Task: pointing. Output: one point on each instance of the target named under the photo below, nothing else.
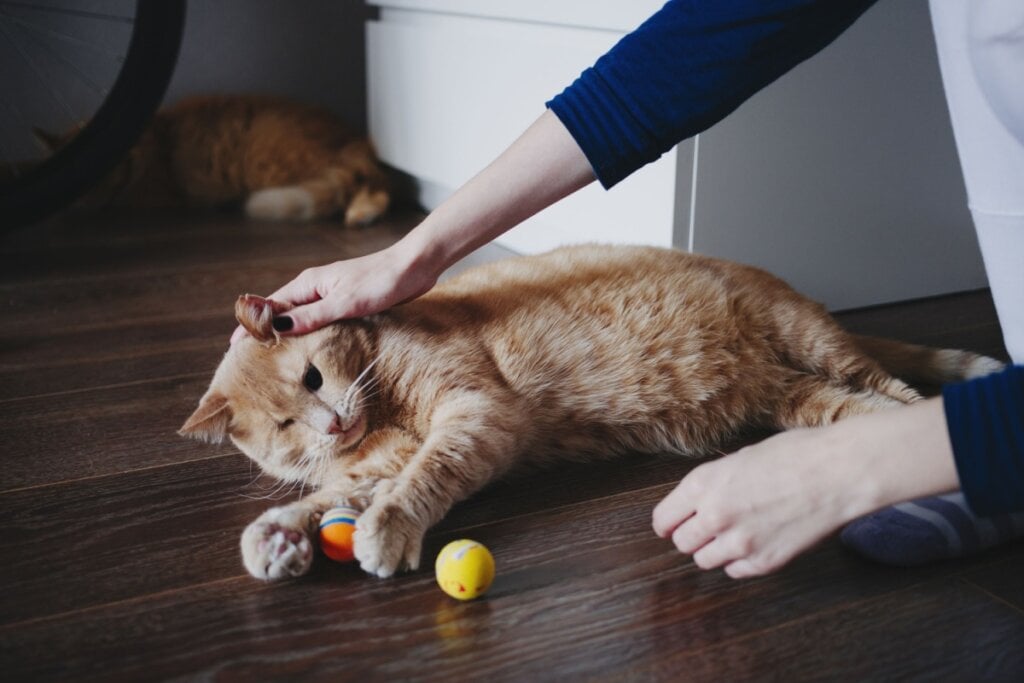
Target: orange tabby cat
(580, 353)
(284, 160)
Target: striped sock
(928, 529)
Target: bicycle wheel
(104, 64)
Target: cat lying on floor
(584, 352)
(282, 159)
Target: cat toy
(337, 527)
(464, 569)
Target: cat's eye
(313, 379)
(286, 424)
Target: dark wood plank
(966, 320)
(172, 242)
(1003, 579)
(34, 365)
(581, 589)
(937, 631)
(155, 530)
(191, 515)
(120, 538)
(99, 432)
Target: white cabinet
(841, 177)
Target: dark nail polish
(283, 323)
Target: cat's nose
(335, 427)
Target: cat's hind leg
(318, 197)
(808, 400)
(291, 203)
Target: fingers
(693, 535)
(301, 290)
(743, 568)
(673, 510)
(303, 319)
(724, 549)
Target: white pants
(981, 55)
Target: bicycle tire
(117, 124)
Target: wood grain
(120, 539)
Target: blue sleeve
(985, 417)
(686, 68)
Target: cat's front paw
(387, 538)
(276, 546)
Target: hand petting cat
(348, 289)
(538, 169)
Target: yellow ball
(337, 527)
(464, 569)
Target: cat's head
(292, 404)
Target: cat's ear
(256, 315)
(210, 420)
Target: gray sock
(928, 529)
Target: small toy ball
(336, 529)
(465, 569)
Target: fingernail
(283, 323)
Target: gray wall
(842, 176)
(312, 50)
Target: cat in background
(584, 352)
(283, 160)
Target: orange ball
(337, 527)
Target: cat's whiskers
(351, 401)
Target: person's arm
(685, 68)
(543, 165)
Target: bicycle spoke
(118, 57)
(95, 87)
(9, 159)
(72, 12)
(20, 121)
(42, 77)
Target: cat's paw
(276, 546)
(281, 204)
(387, 538)
(366, 207)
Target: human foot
(929, 529)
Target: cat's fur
(581, 353)
(282, 159)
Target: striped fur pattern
(585, 352)
(282, 160)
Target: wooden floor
(119, 539)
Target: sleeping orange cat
(584, 352)
(281, 159)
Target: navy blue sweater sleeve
(686, 68)
(985, 417)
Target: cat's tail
(356, 185)
(925, 365)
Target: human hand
(348, 289)
(753, 511)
